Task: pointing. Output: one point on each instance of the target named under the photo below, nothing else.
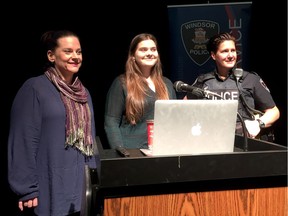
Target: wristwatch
(261, 123)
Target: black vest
(211, 82)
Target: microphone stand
(238, 73)
(244, 129)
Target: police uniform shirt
(254, 90)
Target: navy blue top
(118, 130)
(39, 165)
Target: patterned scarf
(78, 115)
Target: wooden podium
(247, 183)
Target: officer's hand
(252, 127)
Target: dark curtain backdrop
(105, 30)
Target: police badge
(195, 35)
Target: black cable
(238, 73)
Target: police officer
(256, 105)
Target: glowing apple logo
(196, 130)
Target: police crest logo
(195, 35)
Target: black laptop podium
(252, 182)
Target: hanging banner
(190, 28)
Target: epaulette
(254, 73)
(245, 73)
(204, 77)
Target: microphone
(200, 93)
(238, 73)
(183, 87)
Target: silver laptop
(192, 127)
